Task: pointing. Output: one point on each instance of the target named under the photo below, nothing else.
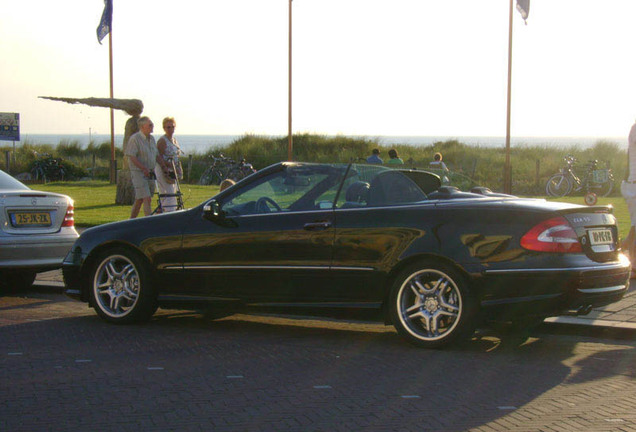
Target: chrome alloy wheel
(429, 305)
(116, 286)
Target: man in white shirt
(142, 157)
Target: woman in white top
(169, 150)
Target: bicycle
(223, 168)
(178, 195)
(596, 181)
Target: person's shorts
(628, 190)
(144, 187)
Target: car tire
(431, 305)
(121, 287)
(17, 280)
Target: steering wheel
(263, 207)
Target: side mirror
(212, 211)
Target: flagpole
(289, 90)
(113, 162)
(507, 168)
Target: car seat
(357, 194)
(393, 187)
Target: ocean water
(203, 143)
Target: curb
(598, 323)
(55, 286)
(595, 328)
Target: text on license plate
(31, 219)
(600, 237)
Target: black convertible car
(433, 261)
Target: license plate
(601, 237)
(20, 219)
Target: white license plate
(601, 237)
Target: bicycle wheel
(558, 185)
(235, 174)
(210, 176)
(206, 177)
(603, 189)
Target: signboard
(9, 127)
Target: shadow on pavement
(248, 372)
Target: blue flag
(523, 6)
(106, 22)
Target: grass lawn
(94, 202)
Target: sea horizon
(203, 143)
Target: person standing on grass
(142, 157)
(628, 190)
(169, 151)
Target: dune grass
(531, 165)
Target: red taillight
(552, 235)
(69, 217)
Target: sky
(360, 67)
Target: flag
(523, 6)
(106, 22)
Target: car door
(374, 228)
(273, 240)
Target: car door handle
(317, 226)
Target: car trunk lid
(32, 212)
(596, 229)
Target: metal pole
(289, 114)
(507, 177)
(113, 172)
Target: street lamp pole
(289, 113)
(507, 169)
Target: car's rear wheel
(121, 287)
(431, 305)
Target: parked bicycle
(223, 168)
(594, 180)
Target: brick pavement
(182, 372)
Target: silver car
(38, 230)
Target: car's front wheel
(431, 305)
(121, 287)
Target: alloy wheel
(116, 286)
(429, 305)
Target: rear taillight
(69, 217)
(552, 235)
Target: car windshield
(294, 188)
(9, 183)
(307, 187)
